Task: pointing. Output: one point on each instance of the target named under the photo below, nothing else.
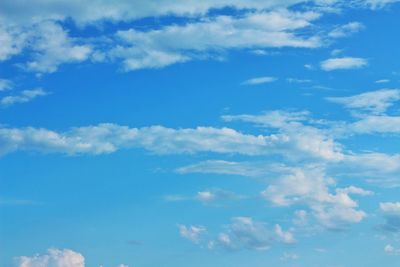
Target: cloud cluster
(241, 233)
(41, 34)
(53, 258)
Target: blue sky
(187, 133)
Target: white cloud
(302, 140)
(346, 29)
(296, 80)
(123, 10)
(52, 47)
(173, 44)
(389, 249)
(259, 80)
(47, 45)
(310, 187)
(5, 84)
(12, 41)
(391, 213)
(251, 169)
(376, 101)
(193, 233)
(289, 256)
(24, 97)
(216, 194)
(382, 81)
(246, 233)
(53, 258)
(376, 124)
(343, 63)
(376, 4)
(107, 138)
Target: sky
(224, 133)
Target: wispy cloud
(343, 63)
(375, 101)
(5, 85)
(259, 80)
(346, 29)
(24, 97)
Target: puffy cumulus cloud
(343, 63)
(259, 80)
(53, 258)
(52, 47)
(47, 45)
(375, 102)
(179, 43)
(24, 97)
(391, 213)
(311, 187)
(12, 41)
(346, 29)
(193, 233)
(246, 233)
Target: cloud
(107, 138)
(289, 256)
(246, 233)
(346, 29)
(375, 102)
(179, 43)
(376, 4)
(46, 45)
(24, 97)
(192, 233)
(310, 186)
(296, 80)
(12, 41)
(5, 85)
(389, 249)
(382, 81)
(53, 258)
(391, 213)
(343, 63)
(305, 139)
(259, 80)
(52, 47)
(216, 194)
(251, 169)
(209, 196)
(123, 10)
